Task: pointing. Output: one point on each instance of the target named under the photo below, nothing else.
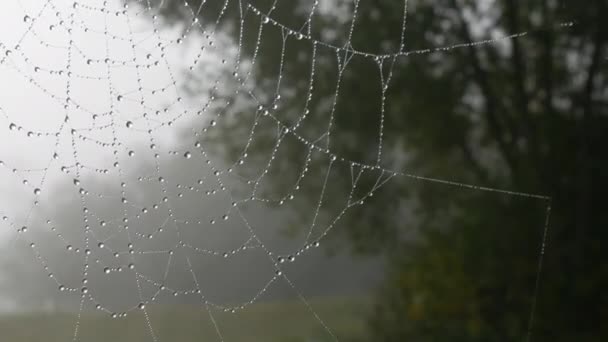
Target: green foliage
(528, 114)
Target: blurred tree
(528, 113)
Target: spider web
(122, 55)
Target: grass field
(279, 321)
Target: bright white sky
(32, 107)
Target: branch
(469, 156)
(583, 155)
(519, 71)
(548, 64)
(589, 89)
(491, 110)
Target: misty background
(212, 145)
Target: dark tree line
(528, 113)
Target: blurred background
(265, 188)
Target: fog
(86, 143)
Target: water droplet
(188, 155)
(119, 98)
(107, 270)
(141, 306)
(84, 290)
(101, 245)
(27, 18)
(131, 153)
(129, 124)
(61, 288)
(37, 191)
(12, 127)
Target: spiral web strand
(150, 107)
